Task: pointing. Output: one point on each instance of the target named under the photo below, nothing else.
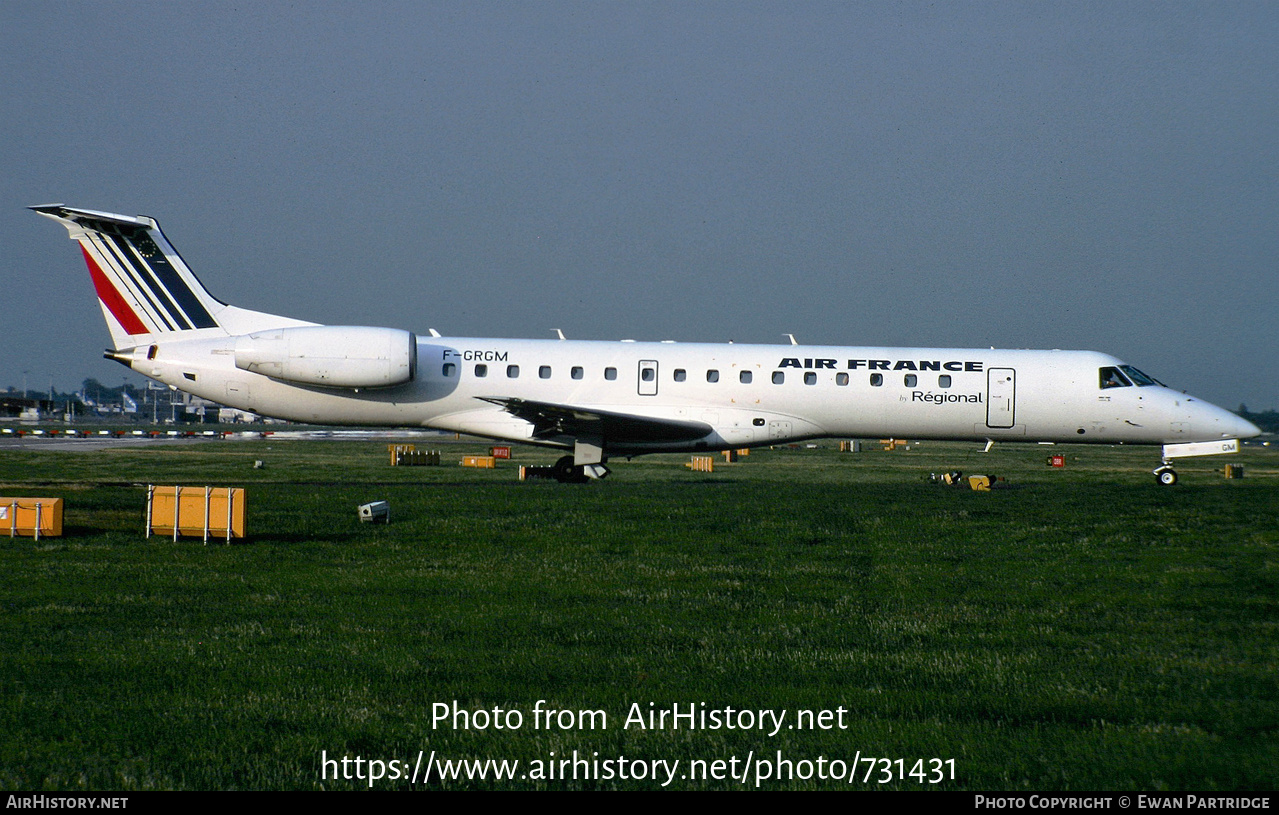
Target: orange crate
(196, 512)
(31, 517)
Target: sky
(1080, 175)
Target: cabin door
(1001, 392)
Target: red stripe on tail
(111, 298)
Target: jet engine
(331, 355)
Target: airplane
(598, 400)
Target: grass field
(1082, 629)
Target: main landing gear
(566, 472)
(1166, 475)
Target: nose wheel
(1166, 475)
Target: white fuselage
(611, 398)
(745, 394)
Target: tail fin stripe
(119, 239)
(130, 262)
(144, 256)
(130, 289)
(143, 285)
(111, 298)
(150, 254)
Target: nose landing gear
(1166, 475)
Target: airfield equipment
(196, 512)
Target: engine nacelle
(336, 356)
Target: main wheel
(566, 472)
(1166, 476)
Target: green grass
(1083, 629)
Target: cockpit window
(1142, 380)
(1112, 378)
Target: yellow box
(702, 464)
(483, 462)
(980, 483)
(396, 449)
(416, 458)
(31, 517)
(200, 512)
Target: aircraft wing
(552, 420)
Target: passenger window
(481, 370)
(876, 380)
(943, 381)
(778, 377)
(911, 380)
(610, 374)
(450, 368)
(647, 374)
(680, 375)
(712, 376)
(744, 377)
(841, 379)
(577, 372)
(1111, 378)
(544, 372)
(810, 378)
(512, 371)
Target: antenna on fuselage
(792, 339)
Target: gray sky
(1028, 175)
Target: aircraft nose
(1245, 429)
(1228, 425)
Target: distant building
(236, 416)
(27, 410)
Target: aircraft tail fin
(144, 287)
